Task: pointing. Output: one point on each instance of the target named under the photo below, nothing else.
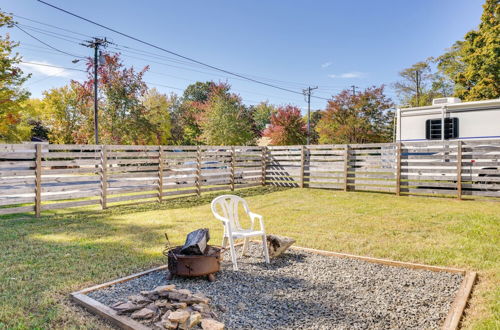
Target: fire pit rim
(221, 250)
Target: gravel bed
(302, 290)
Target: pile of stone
(166, 307)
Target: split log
(278, 244)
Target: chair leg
(245, 246)
(233, 253)
(224, 242)
(264, 247)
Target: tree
(363, 118)
(157, 114)
(186, 129)
(473, 64)
(122, 118)
(59, 111)
(287, 127)
(419, 85)
(198, 92)
(315, 118)
(261, 114)
(12, 126)
(223, 118)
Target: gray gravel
(301, 290)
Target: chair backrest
(229, 205)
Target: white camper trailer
(459, 121)
(479, 120)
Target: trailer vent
(433, 129)
(446, 100)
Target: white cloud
(45, 68)
(353, 74)
(326, 64)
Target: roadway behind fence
(40, 177)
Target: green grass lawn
(42, 260)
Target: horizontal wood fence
(34, 178)
(448, 169)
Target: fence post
(38, 180)
(459, 169)
(398, 169)
(346, 167)
(264, 160)
(231, 178)
(160, 174)
(198, 171)
(104, 177)
(302, 161)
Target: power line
(139, 52)
(49, 32)
(52, 26)
(168, 51)
(46, 44)
(63, 37)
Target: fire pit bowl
(206, 264)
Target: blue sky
(293, 44)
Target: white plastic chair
(232, 228)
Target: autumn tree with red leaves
(287, 127)
(13, 125)
(362, 118)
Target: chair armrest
(254, 216)
(224, 220)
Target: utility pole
(418, 87)
(307, 93)
(96, 43)
(353, 90)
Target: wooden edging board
(81, 298)
(451, 322)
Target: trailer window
(433, 129)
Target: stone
(184, 291)
(211, 324)
(165, 316)
(201, 307)
(142, 314)
(196, 298)
(179, 305)
(179, 316)
(125, 307)
(152, 295)
(241, 306)
(276, 245)
(163, 303)
(177, 296)
(139, 300)
(164, 289)
(221, 308)
(153, 307)
(194, 319)
(167, 324)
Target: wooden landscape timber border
(34, 174)
(452, 321)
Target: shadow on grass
(44, 259)
(120, 209)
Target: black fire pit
(206, 264)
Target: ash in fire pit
(195, 257)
